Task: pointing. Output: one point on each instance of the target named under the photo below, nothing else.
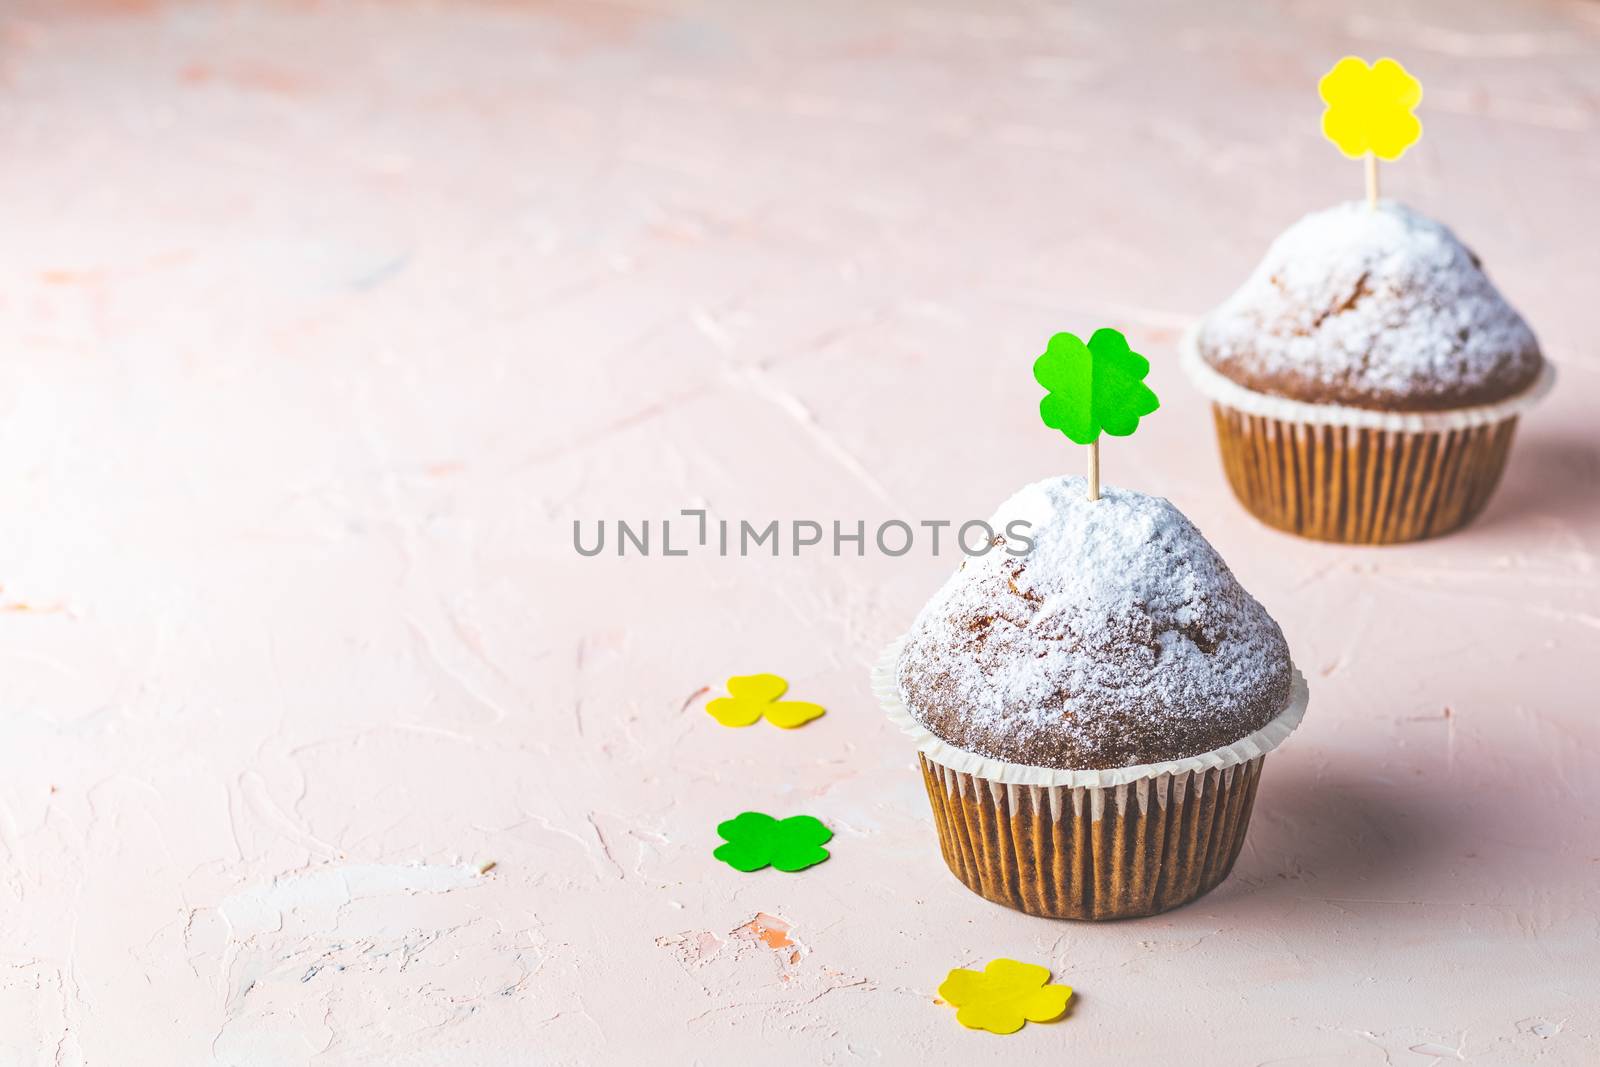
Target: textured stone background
(322, 322)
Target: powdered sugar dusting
(1121, 637)
(1372, 308)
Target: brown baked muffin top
(1381, 309)
(1119, 638)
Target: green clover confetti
(1093, 387)
(755, 840)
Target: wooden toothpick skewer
(1372, 182)
(1094, 469)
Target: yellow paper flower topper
(1002, 996)
(1369, 108)
(752, 696)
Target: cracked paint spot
(691, 947)
(770, 931)
(1544, 1028)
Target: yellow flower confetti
(752, 696)
(1003, 995)
(1369, 108)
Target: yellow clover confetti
(1369, 108)
(1003, 995)
(753, 695)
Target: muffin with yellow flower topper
(1367, 379)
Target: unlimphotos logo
(727, 537)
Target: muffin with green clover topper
(1092, 713)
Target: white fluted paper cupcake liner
(1223, 390)
(886, 688)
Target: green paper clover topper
(755, 841)
(1093, 387)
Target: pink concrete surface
(322, 323)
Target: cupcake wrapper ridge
(1361, 486)
(1121, 852)
(1356, 476)
(1089, 844)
